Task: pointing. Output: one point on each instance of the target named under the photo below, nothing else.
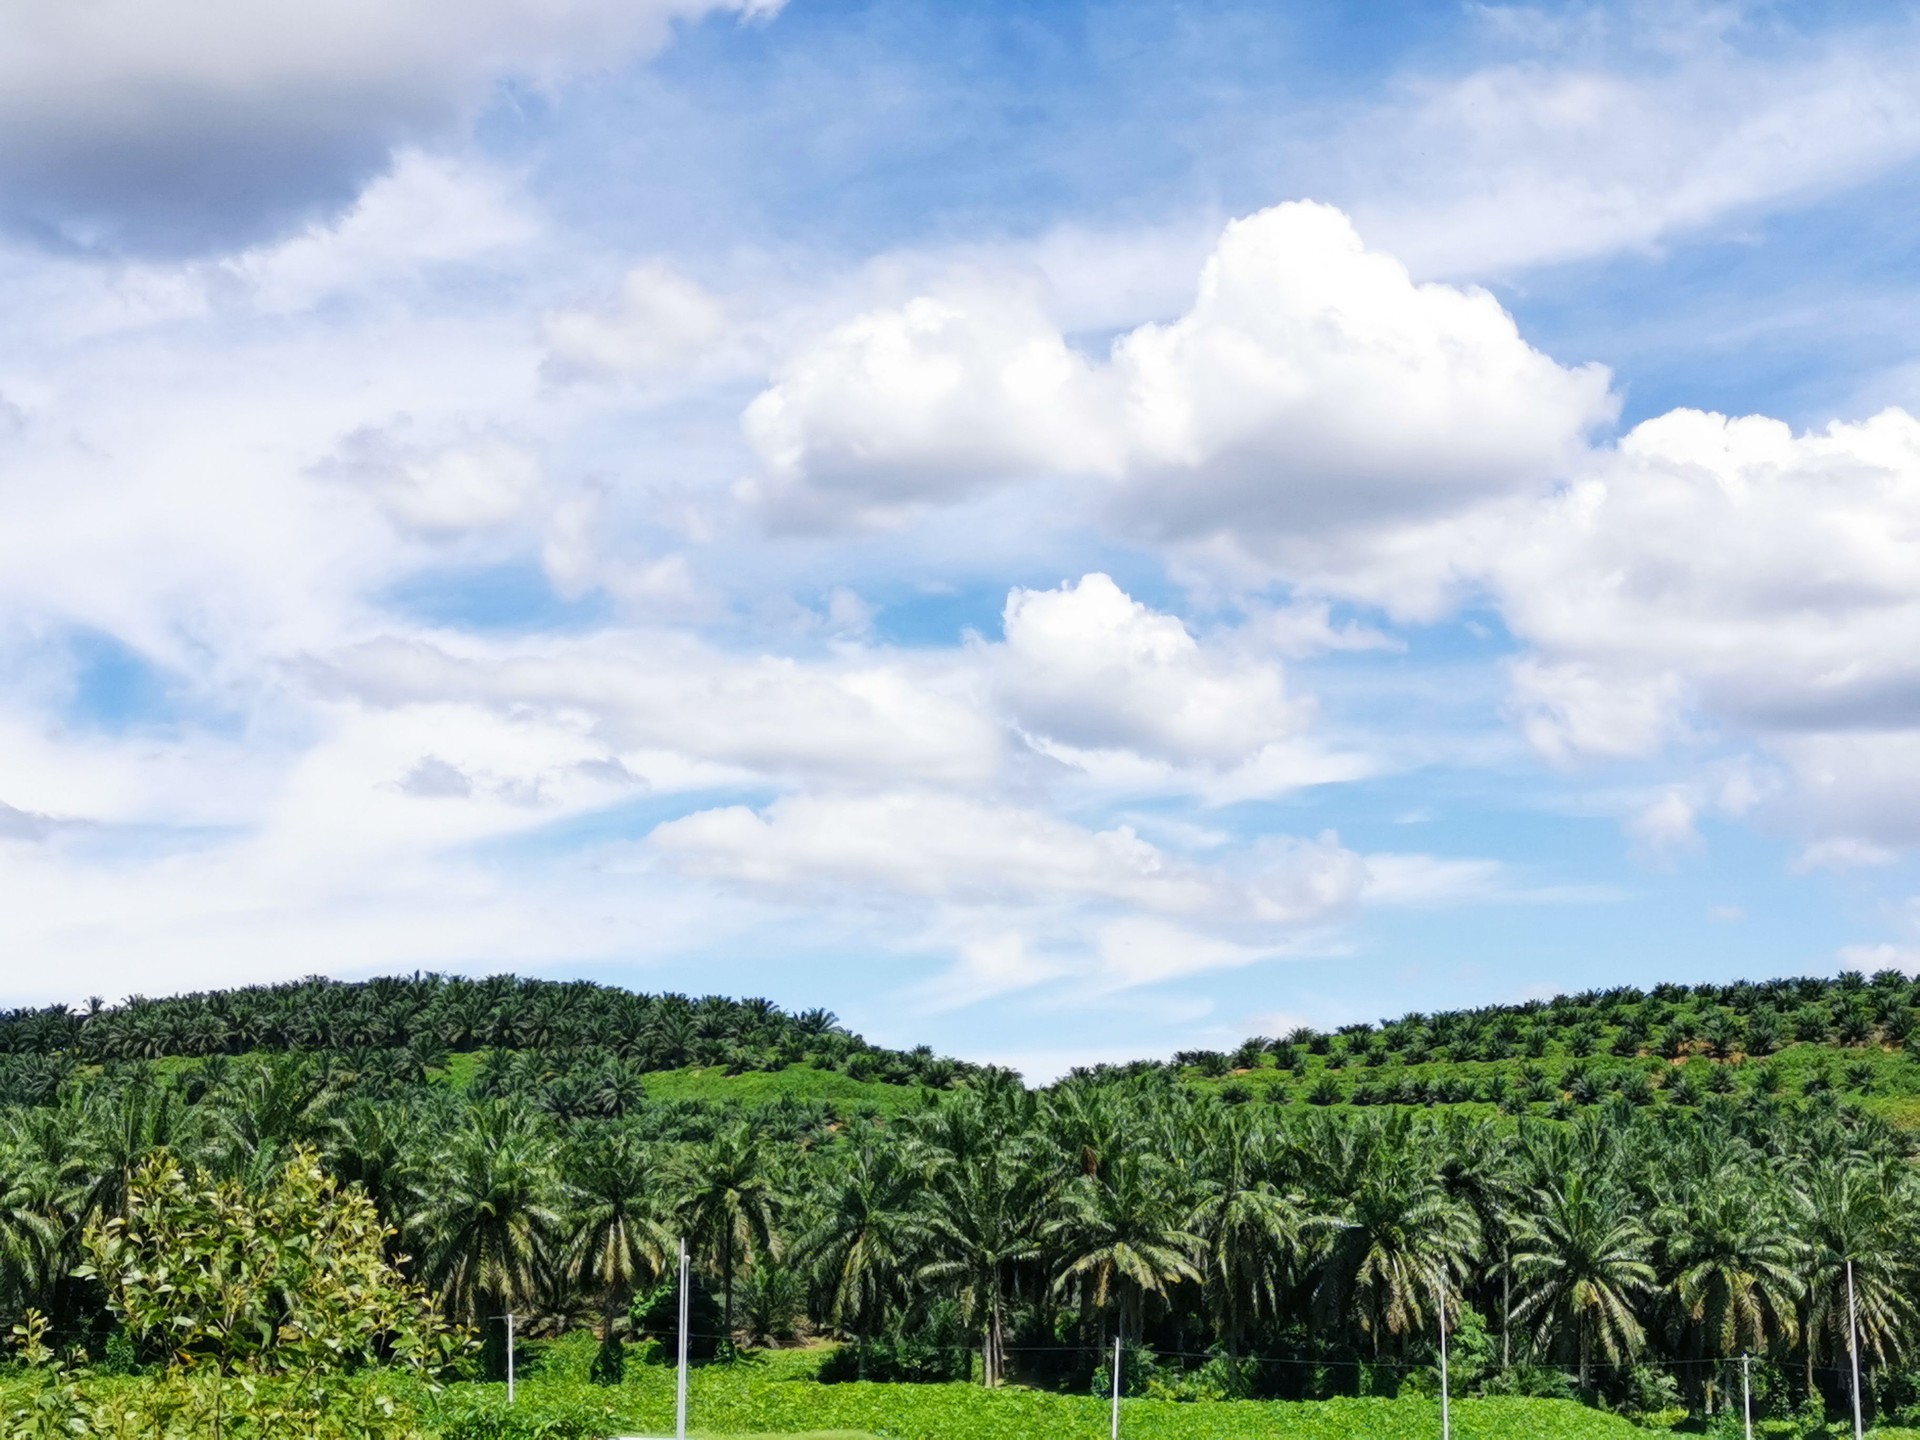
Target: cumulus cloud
(1090, 667)
(215, 123)
(1733, 573)
(902, 409)
(1314, 409)
(1314, 388)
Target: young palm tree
(727, 1202)
(1581, 1257)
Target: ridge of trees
(414, 1023)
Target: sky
(1060, 532)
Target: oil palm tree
(1861, 1216)
(1732, 1264)
(985, 1193)
(1119, 1239)
(864, 1235)
(1581, 1257)
(616, 1239)
(487, 1213)
(1249, 1233)
(1390, 1245)
(727, 1202)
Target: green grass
(776, 1394)
(801, 1082)
(712, 1084)
(757, 1399)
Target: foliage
(289, 1279)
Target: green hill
(1759, 1043)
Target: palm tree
(1249, 1233)
(1581, 1257)
(864, 1236)
(1733, 1265)
(487, 1213)
(984, 1194)
(1119, 1239)
(1864, 1216)
(616, 1240)
(1392, 1243)
(727, 1202)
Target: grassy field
(776, 1394)
(712, 1084)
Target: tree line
(422, 1019)
(1237, 1248)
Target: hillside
(1771, 1041)
(597, 1049)
(588, 1049)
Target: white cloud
(1314, 410)
(479, 484)
(1572, 709)
(1314, 389)
(1730, 571)
(213, 121)
(1572, 152)
(1090, 667)
(900, 409)
(1843, 852)
(426, 211)
(1665, 824)
(681, 714)
(659, 320)
(932, 846)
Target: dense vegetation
(1593, 1220)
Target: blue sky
(1062, 532)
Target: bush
(655, 1315)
